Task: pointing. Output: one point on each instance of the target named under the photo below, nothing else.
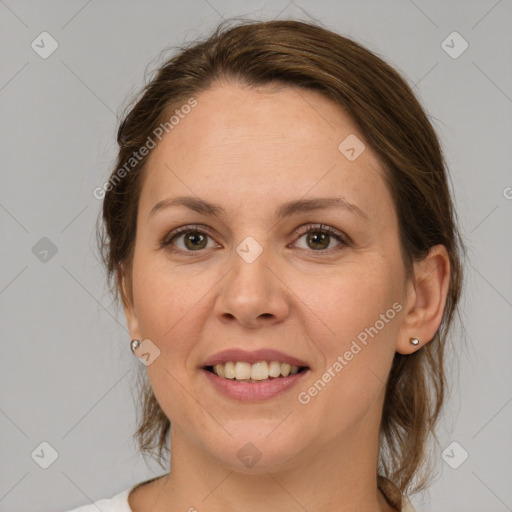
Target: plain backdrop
(67, 374)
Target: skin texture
(250, 151)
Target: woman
(281, 233)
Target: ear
(124, 283)
(425, 300)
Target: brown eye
(186, 239)
(318, 238)
(194, 240)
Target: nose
(252, 293)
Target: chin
(255, 451)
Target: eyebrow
(285, 210)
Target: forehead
(242, 144)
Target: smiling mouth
(261, 371)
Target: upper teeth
(257, 371)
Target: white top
(119, 503)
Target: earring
(414, 341)
(134, 345)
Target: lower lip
(253, 391)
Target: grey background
(67, 373)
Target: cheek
(349, 299)
(167, 304)
(359, 310)
(163, 298)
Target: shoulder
(119, 503)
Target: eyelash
(166, 241)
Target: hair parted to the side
(394, 124)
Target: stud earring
(414, 341)
(134, 345)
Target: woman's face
(262, 276)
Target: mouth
(261, 371)
(255, 375)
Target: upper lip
(255, 356)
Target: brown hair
(393, 122)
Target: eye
(192, 238)
(318, 237)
